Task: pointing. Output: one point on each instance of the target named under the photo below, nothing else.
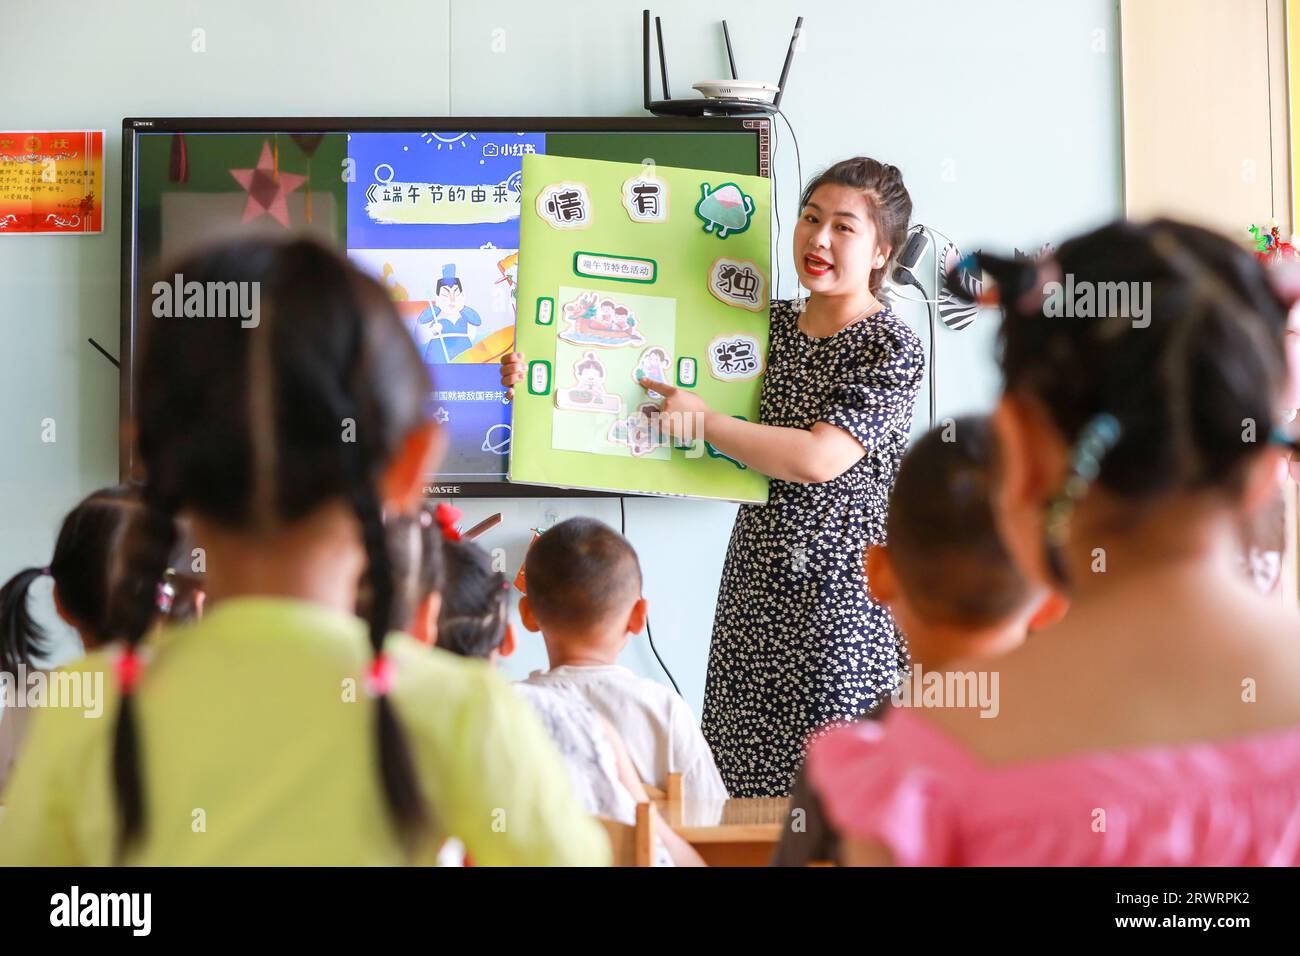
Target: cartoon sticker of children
(591, 380)
(588, 393)
(600, 321)
(653, 365)
(642, 430)
(604, 318)
(448, 321)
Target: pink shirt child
(905, 783)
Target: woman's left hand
(682, 411)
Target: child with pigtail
(281, 729)
(1159, 723)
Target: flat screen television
(448, 253)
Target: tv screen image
(429, 207)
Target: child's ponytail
(22, 640)
(83, 570)
(241, 427)
(150, 538)
(1156, 351)
(475, 596)
(397, 770)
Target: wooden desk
(738, 832)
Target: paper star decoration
(266, 191)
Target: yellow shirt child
(258, 748)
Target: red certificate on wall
(51, 181)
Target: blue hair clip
(1097, 438)
(1279, 437)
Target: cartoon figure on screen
(594, 320)
(445, 325)
(395, 288)
(509, 269)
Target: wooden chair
(633, 845)
(673, 791)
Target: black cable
(798, 160)
(931, 308)
(104, 352)
(622, 515)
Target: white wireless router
(733, 97)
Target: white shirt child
(656, 725)
(575, 728)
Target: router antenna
(645, 57)
(731, 57)
(785, 70)
(663, 64)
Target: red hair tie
(128, 668)
(379, 679)
(447, 515)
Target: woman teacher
(798, 642)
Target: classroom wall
(1227, 161)
(1003, 115)
(1206, 145)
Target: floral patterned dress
(797, 641)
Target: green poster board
(624, 267)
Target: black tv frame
(761, 128)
